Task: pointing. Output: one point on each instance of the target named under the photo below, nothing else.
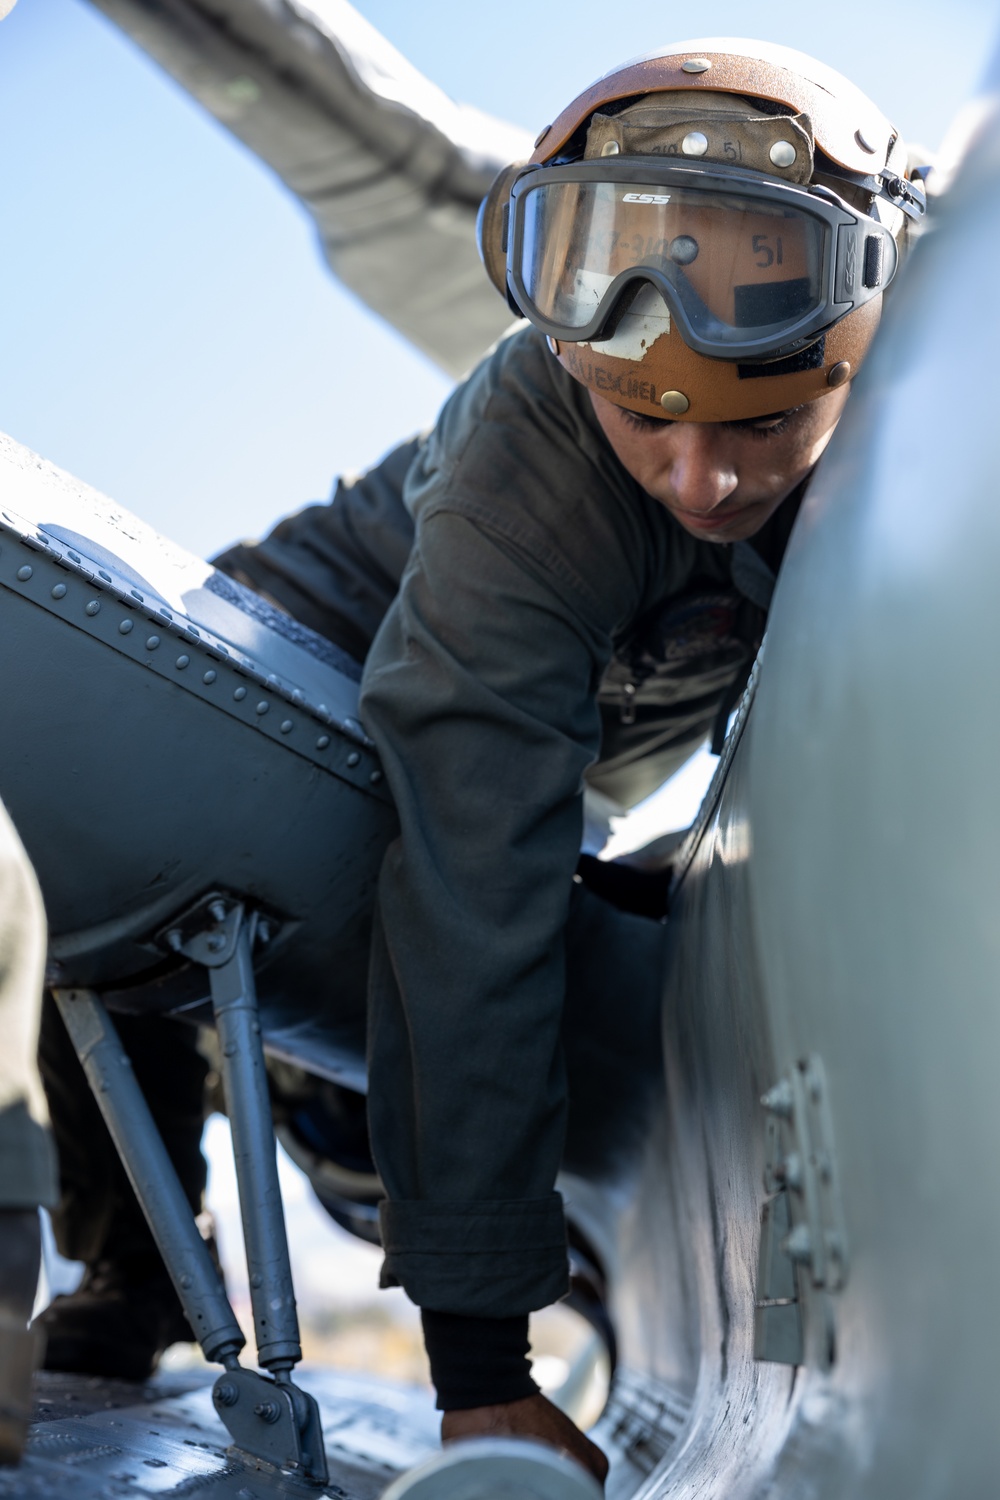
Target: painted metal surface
(389, 168)
(172, 735)
(109, 1440)
(491, 1468)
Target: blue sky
(167, 329)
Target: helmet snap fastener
(610, 148)
(782, 154)
(694, 143)
(674, 402)
(839, 373)
(696, 65)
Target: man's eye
(641, 422)
(770, 429)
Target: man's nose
(701, 474)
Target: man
(565, 584)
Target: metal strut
(268, 1417)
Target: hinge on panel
(802, 1227)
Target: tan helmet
(706, 232)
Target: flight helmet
(707, 232)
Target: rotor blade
(391, 170)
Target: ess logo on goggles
(750, 268)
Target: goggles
(749, 268)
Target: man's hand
(533, 1417)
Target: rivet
(354, 759)
(105, 576)
(298, 697)
(674, 402)
(683, 250)
(696, 65)
(263, 706)
(125, 628)
(216, 942)
(839, 372)
(136, 595)
(611, 148)
(864, 142)
(695, 143)
(152, 642)
(74, 555)
(209, 676)
(217, 911)
(24, 573)
(322, 742)
(375, 778)
(256, 1280)
(798, 1245)
(93, 608)
(59, 592)
(226, 1394)
(273, 682)
(539, 138)
(780, 1100)
(175, 939)
(287, 726)
(182, 662)
(323, 713)
(239, 694)
(782, 154)
(186, 1281)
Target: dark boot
(126, 1312)
(20, 1254)
(118, 1322)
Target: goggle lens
(739, 267)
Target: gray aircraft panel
(114, 1439)
(390, 169)
(175, 735)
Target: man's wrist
(477, 1361)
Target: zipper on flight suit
(628, 703)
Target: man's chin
(735, 527)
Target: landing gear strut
(268, 1416)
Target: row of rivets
(93, 607)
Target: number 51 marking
(765, 255)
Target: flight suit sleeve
(27, 1162)
(480, 695)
